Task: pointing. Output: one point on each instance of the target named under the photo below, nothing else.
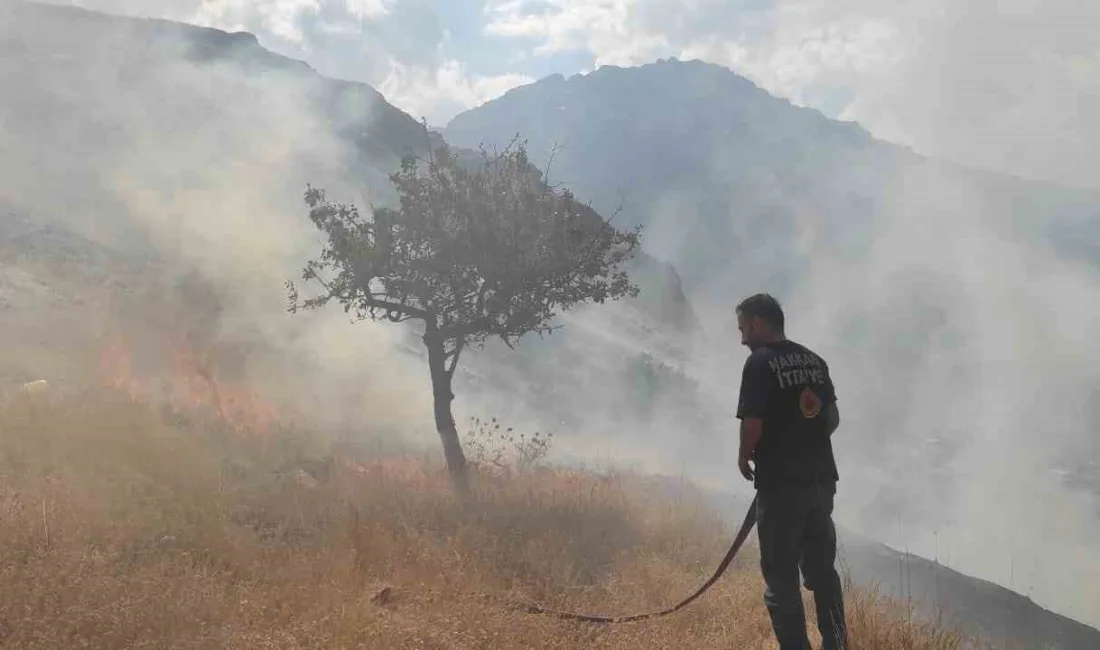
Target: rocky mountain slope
(937, 592)
(725, 176)
(91, 97)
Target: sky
(1007, 85)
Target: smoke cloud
(205, 165)
(964, 358)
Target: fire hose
(738, 541)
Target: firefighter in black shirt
(788, 414)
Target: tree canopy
(474, 249)
(481, 250)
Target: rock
(383, 596)
(39, 387)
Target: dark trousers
(796, 531)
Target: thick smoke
(965, 361)
(204, 165)
(241, 223)
(962, 345)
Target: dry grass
(120, 530)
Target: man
(788, 414)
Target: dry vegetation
(122, 528)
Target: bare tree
(473, 250)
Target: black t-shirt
(788, 387)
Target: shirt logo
(810, 404)
(796, 369)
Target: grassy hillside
(125, 528)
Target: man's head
(760, 319)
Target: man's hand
(746, 469)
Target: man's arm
(756, 389)
(752, 430)
(830, 412)
(832, 418)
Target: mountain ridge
(699, 140)
(745, 83)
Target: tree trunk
(444, 420)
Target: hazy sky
(1006, 84)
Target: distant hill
(725, 176)
(87, 94)
(706, 161)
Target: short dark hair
(764, 306)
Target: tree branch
(393, 307)
(404, 312)
(546, 173)
(461, 299)
(605, 226)
(454, 355)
